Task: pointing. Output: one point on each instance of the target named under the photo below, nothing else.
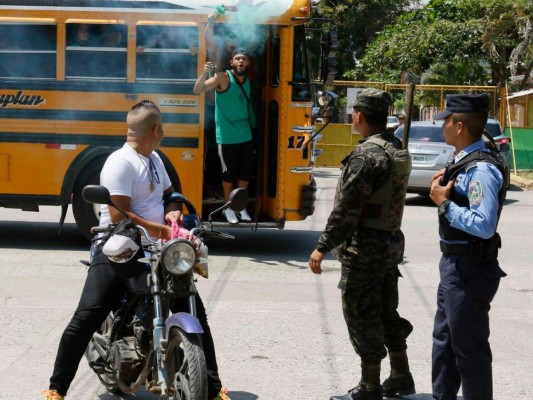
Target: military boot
(369, 387)
(400, 382)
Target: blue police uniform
(469, 274)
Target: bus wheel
(86, 214)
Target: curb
(522, 182)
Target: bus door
(227, 40)
(273, 101)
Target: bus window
(300, 79)
(28, 51)
(96, 51)
(167, 53)
(274, 61)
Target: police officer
(364, 230)
(469, 194)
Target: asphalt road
(278, 329)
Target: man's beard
(236, 71)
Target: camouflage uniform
(369, 257)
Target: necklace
(148, 171)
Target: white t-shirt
(127, 173)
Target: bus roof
(266, 8)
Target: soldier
(470, 194)
(364, 231)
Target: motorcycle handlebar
(102, 229)
(146, 235)
(98, 229)
(198, 231)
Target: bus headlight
(178, 256)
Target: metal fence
(428, 99)
(338, 141)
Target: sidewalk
(521, 182)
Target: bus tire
(86, 214)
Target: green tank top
(231, 113)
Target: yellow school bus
(64, 100)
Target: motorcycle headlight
(178, 256)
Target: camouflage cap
(373, 100)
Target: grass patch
(525, 174)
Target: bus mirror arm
(320, 130)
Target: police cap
(465, 103)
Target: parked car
(392, 123)
(430, 153)
(494, 129)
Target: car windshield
(392, 119)
(493, 128)
(425, 133)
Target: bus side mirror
(328, 109)
(328, 61)
(326, 98)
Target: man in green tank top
(233, 132)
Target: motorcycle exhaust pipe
(142, 376)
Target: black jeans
(102, 293)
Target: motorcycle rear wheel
(186, 367)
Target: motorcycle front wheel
(185, 365)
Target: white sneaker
(230, 216)
(244, 216)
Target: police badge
(475, 193)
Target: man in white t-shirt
(137, 181)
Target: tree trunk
(527, 74)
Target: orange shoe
(222, 395)
(52, 395)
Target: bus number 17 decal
(296, 142)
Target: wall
(337, 142)
(522, 140)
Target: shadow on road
(239, 395)
(144, 395)
(275, 246)
(41, 236)
(419, 396)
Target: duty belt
(477, 254)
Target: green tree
(510, 27)
(357, 22)
(448, 32)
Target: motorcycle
(143, 343)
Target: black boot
(400, 382)
(369, 387)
